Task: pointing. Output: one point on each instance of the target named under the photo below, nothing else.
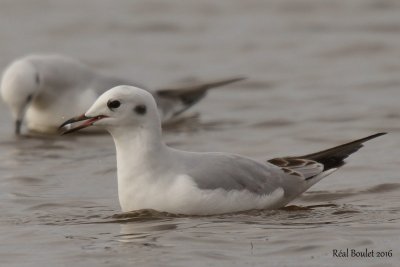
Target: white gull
(152, 175)
(47, 89)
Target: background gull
(152, 175)
(47, 89)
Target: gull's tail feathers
(334, 157)
(317, 165)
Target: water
(321, 73)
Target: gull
(47, 89)
(152, 175)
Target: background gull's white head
(19, 85)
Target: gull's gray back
(61, 73)
(64, 73)
(234, 172)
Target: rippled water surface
(320, 73)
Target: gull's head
(120, 107)
(19, 86)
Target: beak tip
(70, 121)
(70, 129)
(65, 129)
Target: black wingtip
(334, 157)
(373, 136)
(223, 82)
(197, 88)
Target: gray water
(320, 73)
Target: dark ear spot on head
(140, 109)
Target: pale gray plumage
(234, 172)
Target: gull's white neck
(141, 159)
(138, 148)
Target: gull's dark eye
(113, 104)
(140, 109)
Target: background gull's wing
(175, 100)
